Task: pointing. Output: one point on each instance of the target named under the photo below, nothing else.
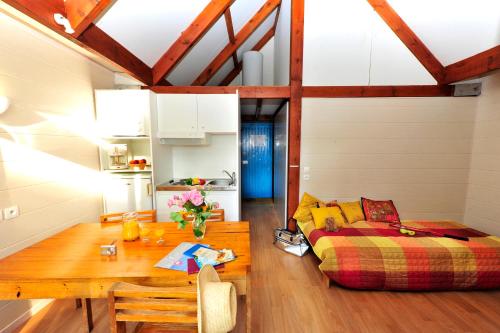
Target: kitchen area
(154, 146)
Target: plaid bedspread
(372, 255)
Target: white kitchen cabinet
(218, 113)
(123, 112)
(128, 193)
(228, 200)
(192, 116)
(177, 115)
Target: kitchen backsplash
(206, 161)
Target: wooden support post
(295, 110)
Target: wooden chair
(156, 309)
(142, 216)
(217, 216)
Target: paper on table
(176, 259)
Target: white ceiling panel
(452, 29)
(257, 35)
(391, 61)
(337, 40)
(148, 28)
(243, 10)
(201, 55)
(221, 73)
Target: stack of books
(190, 257)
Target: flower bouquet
(195, 208)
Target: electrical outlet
(307, 177)
(11, 212)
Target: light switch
(11, 212)
(307, 169)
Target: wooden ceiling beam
(81, 13)
(244, 91)
(476, 66)
(230, 34)
(98, 41)
(240, 38)
(377, 91)
(189, 37)
(41, 11)
(409, 38)
(258, 108)
(257, 47)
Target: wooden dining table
(69, 264)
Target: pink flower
(170, 203)
(195, 197)
(215, 205)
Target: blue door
(257, 160)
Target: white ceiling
(452, 29)
(346, 41)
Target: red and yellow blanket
(372, 255)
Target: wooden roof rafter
(240, 38)
(474, 66)
(92, 39)
(410, 39)
(189, 38)
(230, 33)
(82, 13)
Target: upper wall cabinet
(177, 115)
(218, 113)
(123, 112)
(191, 116)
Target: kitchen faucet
(231, 176)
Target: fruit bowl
(137, 164)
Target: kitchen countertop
(167, 186)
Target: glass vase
(199, 227)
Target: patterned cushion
(352, 211)
(320, 216)
(303, 212)
(380, 211)
(330, 225)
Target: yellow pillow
(303, 212)
(352, 211)
(321, 214)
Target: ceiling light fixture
(4, 104)
(61, 20)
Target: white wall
(45, 151)
(483, 211)
(206, 161)
(415, 151)
(280, 161)
(282, 46)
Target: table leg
(78, 303)
(248, 302)
(88, 321)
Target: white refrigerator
(128, 193)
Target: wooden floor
(288, 296)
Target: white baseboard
(21, 319)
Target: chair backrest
(173, 308)
(217, 216)
(142, 216)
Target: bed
(373, 255)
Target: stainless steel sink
(220, 182)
